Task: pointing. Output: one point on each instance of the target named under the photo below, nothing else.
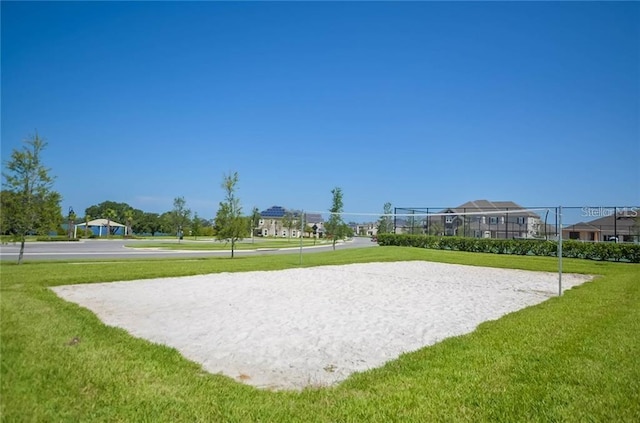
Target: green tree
(8, 201)
(196, 226)
(33, 206)
(110, 214)
(255, 218)
(335, 226)
(385, 224)
(120, 209)
(230, 225)
(166, 223)
(146, 223)
(289, 221)
(128, 216)
(180, 216)
(308, 229)
(87, 218)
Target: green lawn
(571, 358)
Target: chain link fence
(586, 223)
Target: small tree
(255, 218)
(308, 229)
(289, 221)
(166, 223)
(335, 226)
(385, 224)
(35, 207)
(180, 216)
(230, 225)
(128, 215)
(196, 226)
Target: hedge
(534, 247)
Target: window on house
(261, 222)
(493, 220)
(448, 219)
(521, 220)
(574, 235)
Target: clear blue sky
(414, 103)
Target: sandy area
(294, 328)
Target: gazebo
(101, 223)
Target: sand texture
(314, 326)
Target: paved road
(118, 249)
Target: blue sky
(413, 103)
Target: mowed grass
(571, 358)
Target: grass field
(572, 358)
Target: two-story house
(478, 219)
(277, 221)
(491, 219)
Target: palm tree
(128, 215)
(111, 214)
(86, 225)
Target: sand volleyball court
(314, 326)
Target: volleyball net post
(559, 250)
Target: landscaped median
(570, 358)
(213, 245)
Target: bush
(55, 238)
(570, 248)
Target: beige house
(365, 229)
(477, 219)
(277, 221)
(622, 227)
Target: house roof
(277, 212)
(479, 206)
(582, 226)
(273, 211)
(101, 222)
(622, 220)
(314, 217)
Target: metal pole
(301, 233)
(506, 224)
(395, 210)
(560, 251)
(615, 224)
(428, 220)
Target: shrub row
(533, 247)
(55, 238)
